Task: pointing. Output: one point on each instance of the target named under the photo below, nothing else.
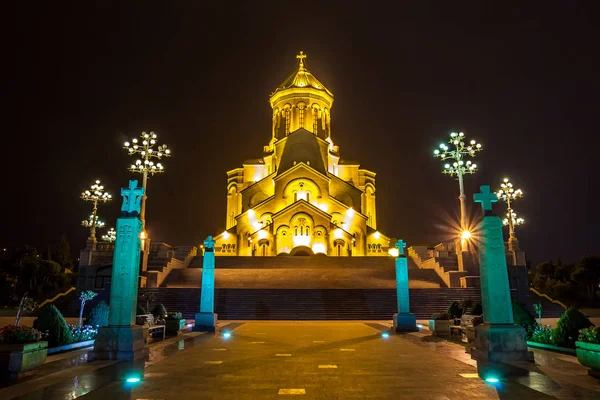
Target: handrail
(56, 297)
(551, 300)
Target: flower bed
(21, 349)
(588, 350)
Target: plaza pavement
(310, 360)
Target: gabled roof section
(299, 204)
(303, 146)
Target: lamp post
(144, 165)
(110, 236)
(96, 194)
(457, 153)
(508, 194)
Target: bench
(151, 330)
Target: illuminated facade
(300, 197)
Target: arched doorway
(301, 251)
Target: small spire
(301, 57)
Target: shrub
(477, 309)
(455, 309)
(542, 335)
(568, 326)
(589, 335)
(98, 317)
(441, 316)
(173, 316)
(53, 326)
(159, 311)
(12, 334)
(523, 317)
(478, 320)
(83, 333)
(140, 310)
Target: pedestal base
(205, 322)
(497, 344)
(119, 343)
(405, 322)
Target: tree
(25, 304)
(62, 253)
(586, 275)
(85, 296)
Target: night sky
(521, 79)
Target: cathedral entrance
(302, 251)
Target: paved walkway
(311, 360)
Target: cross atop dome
(301, 57)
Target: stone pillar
(122, 339)
(404, 321)
(206, 319)
(498, 339)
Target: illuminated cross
(301, 57)
(400, 245)
(132, 197)
(209, 243)
(486, 198)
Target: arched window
(295, 231)
(301, 116)
(287, 121)
(308, 196)
(307, 231)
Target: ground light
(419, 326)
(492, 380)
(133, 379)
(385, 334)
(226, 335)
(189, 325)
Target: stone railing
(550, 299)
(52, 300)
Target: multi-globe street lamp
(145, 164)
(96, 194)
(110, 236)
(457, 155)
(508, 194)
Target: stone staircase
(310, 304)
(302, 273)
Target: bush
(589, 335)
(159, 311)
(53, 326)
(568, 326)
(173, 316)
(477, 309)
(98, 317)
(478, 320)
(523, 317)
(11, 334)
(140, 310)
(441, 316)
(455, 309)
(542, 335)
(86, 332)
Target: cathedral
(300, 197)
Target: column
(498, 339)
(404, 321)
(206, 319)
(122, 339)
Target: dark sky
(522, 79)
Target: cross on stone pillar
(486, 198)
(122, 339)
(400, 245)
(404, 321)
(206, 319)
(498, 339)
